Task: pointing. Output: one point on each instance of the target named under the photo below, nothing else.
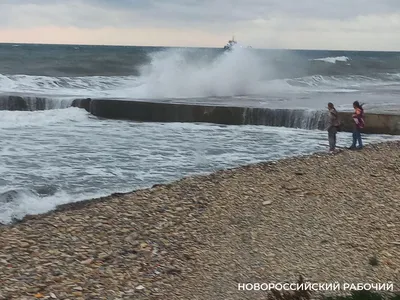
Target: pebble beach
(322, 216)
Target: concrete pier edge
(148, 111)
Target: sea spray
(271, 78)
(237, 72)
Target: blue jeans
(357, 137)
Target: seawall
(150, 111)
(30, 103)
(21, 103)
(174, 111)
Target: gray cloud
(304, 8)
(245, 10)
(207, 13)
(334, 24)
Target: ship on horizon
(232, 44)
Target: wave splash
(170, 74)
(242, 73)
(183, 73)
(15, 204)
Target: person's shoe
(359, 147)
(352, 148)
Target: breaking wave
(333, 60)
(17, 203)
(37, 119)
(183, 73)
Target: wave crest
(183, 73)
(333, 60)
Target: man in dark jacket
(333, 126)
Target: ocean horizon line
(194, 47)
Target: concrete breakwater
(150, 111)
(31, 103)
(174, 111)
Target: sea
(61, 154)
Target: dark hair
(330, 104)
(358, 105)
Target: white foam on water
(237, 72)
(40, 119)
(68, 87)
(171, 74)
(80, 157)
(29, 203)
(333, 60)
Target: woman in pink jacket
(359, 123)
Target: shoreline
(321, 216)
(72, 206)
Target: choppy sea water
(58, 156)
(270, 78)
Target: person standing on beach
(333, 126)
(359, 123)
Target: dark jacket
(333, 118)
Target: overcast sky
(299, 24)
